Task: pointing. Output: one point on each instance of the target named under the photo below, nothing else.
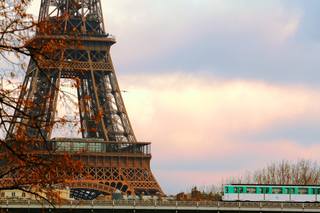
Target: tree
(211, 193)
(302, 172)
(21, 167)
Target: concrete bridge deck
(155, 206)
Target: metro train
(273, 193)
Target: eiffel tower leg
(37, 103)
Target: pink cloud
(194, 120)
(202, 105)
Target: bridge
(28, 206)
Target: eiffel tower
(113, 158)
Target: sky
(220, 87)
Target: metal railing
(99, 146)
(8, 203)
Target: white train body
(273, 193)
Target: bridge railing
(166, 204)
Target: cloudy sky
(219, 87)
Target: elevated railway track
(154, 206)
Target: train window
(226, 189)
(290, 190)
(303, 191)
(265, 190)
(276, 190)
(315, 191)
(252, 190)
(238, 189)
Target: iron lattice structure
(113, 160)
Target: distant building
(18, 194)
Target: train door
(317, 194)
(263, 191)
(289, 192)
(237, 191)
